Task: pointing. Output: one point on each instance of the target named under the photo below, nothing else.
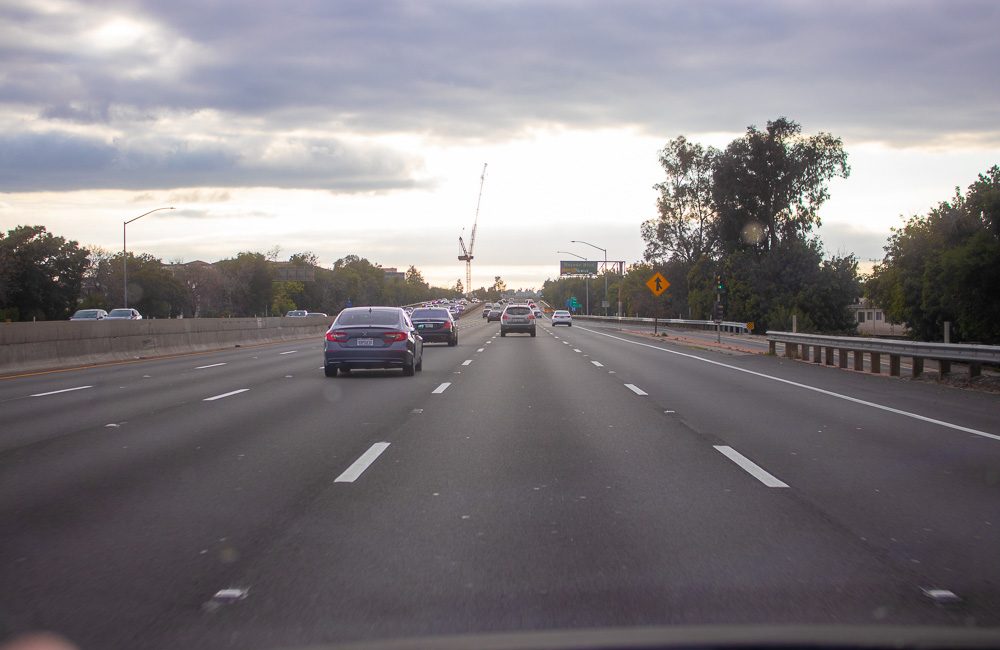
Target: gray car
(517, 318)
(435, 324)
(372, 337)
(124, 313)
(89, 314)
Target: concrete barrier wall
(63, 344)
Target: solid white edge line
(823, 391)
(635, 389)
(751, 468)
(442, 388)
(232, 392)
(64, 390)
(211, 365)
(467, 362)
(358, 467)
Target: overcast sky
(362, 127)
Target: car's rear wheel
(532, 332)
(453, 342)
(408, 369)
(503, 333)
(330, 371)
(420, 364)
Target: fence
(825, 348)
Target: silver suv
(517, 318)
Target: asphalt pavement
(583, 478)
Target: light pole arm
(125, 253)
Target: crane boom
(466, 255)
(475, 222)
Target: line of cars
(522, 317)
(121, 313)
(385, 337)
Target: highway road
(583, 478)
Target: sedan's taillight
(505, 317)
(531, 317)
(447, 324)
(336, 337)
(392, 337)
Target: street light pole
(125, 253)
(577, 241)
(586, 281)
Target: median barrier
(47, 345)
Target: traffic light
(717, 311)
(719, 286)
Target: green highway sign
(577, 267)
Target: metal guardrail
(797, 346)
(727, 326)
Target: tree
(42, 274)
(769, 185)
(945, 266)
(459, 288)
(686, 207)
(282, 296)
(247, 284)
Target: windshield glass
(429, 313)
(704, 331)
(379, 317)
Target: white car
(562, 317)
(123, 313)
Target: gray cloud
(907, 72)
(39, 161)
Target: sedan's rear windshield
(429, 313)
(518, 311)
(120, 312)
(387, 317)
(86, 313)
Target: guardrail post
(918, 366)
(817, 353)
(876, 360)
(975, 369)
(829, 356)
(859, 360)
(944, 367)
(772, 347)
(842, 357)
(790, 350)
(893, 365)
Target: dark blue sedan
(372, 337)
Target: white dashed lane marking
(635, 389)
(358, 467)
(751, 467)
(211, 365)
(64, 390)
(229, 394)
(290, 352)
(467, 362)
(442, 388)
(598, 364)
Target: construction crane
(466, 255)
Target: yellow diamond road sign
(657, 284)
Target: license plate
(424, 326)
(365, 342)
